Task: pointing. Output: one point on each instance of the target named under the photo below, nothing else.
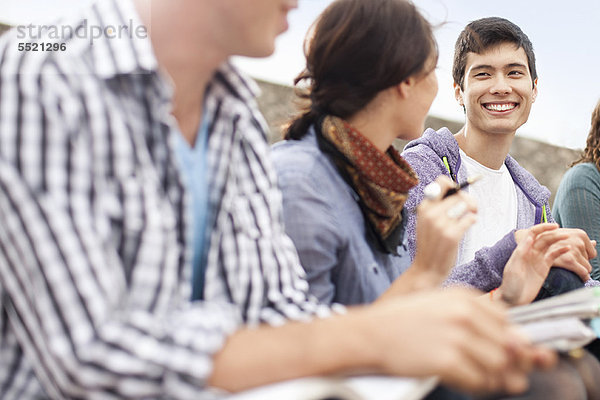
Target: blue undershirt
(192, 161)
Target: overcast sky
(565, 35)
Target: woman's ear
(405, 87)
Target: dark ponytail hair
(592, 148)
(356, 49)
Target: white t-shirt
(496, 198)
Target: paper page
(391, 388)
(582, 303)
(354, 388)
(562, 334)
(300, 389)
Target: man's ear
(535, 90)
(458, 94)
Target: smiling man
(495, 81)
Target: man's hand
(581, 248)
(431, 333)
(528, 266)
(468, 343)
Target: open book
(563, 322)
(352, 388)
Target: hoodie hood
(535, 192)
(437, 144)
(442, 143)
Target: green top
(577, 204)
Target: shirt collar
(130, 49)
(234, 82)
(133, 53)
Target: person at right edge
(577, 201)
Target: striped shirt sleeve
(251, 261)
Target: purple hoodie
(425, 155)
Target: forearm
(416, 278)
(253, 357)
(396, 337)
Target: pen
(470, 180)
(432, 191)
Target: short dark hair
(484, 33)
(356, 49)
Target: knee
(588, 368)
(561, 383)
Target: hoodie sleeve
(485, 271)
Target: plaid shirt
(94, 249)
(251, 261)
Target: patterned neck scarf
(381, 180)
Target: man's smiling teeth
(500, 107)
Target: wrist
(427, 279)
(416, 278)
(360, 349)
(494, 294)
(426, 276)
(520, 235)
(501, 294)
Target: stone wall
(546, 162)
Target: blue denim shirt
(322, 216)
